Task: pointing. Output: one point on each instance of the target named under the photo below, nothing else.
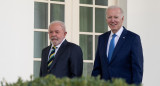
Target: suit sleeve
(97, 67)
(76, 61)
(137, 60)
(40, 72)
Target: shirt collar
(59, 44)
(118, 33)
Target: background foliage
(51, 80)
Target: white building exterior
(17, 35)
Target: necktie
(111, 47)
(51, 58)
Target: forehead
(113, 11)
(55, 26)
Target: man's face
(114, 19)
(56, 33)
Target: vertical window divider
(93, 50)
(49, 14)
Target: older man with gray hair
(61, 58)
(119, 52)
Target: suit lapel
(119, 44)
(104, 46)
(59, 52)
(46, 58)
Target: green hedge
(51, 80)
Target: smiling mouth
(112, 24)
(54, 39)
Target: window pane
(100, 20)
(36, 68)
(86, 45)
(40, 42)
(58, 0)
(87, 69)
(86, 18)
(40, 15)
(101, 2)
(57, 12)
(86, 1)
(96, 42)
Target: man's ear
(65, 33)
(123, 18)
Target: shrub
(51, 80)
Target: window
(45, 11)
(92, 23)
(84, 20)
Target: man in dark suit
(61, 58)
(119, 52)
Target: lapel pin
(123, 37)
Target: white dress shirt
(57, 47)
(118, 34)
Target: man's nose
(112, 19)
(53, 34)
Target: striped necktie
(51, 58)
(111, 47)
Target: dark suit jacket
(126, 61)
(68, 61)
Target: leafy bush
(51, 80)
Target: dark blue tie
(111, 47)
(51, 58)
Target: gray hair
(59, 22)
(114, 6)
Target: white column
(16, 35)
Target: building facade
(24, 34)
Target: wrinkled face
(114, 19)
(56, 33)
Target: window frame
(71, 19)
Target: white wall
(143, 17)
(16, 39)
(123, 5)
